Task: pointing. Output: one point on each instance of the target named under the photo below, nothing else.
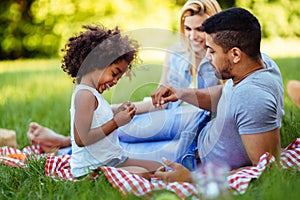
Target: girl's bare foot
(48, 140)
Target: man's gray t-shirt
(253, 106)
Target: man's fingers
(169, 163)
(162, 175)
(154, 100)
(161, 169)
(166, 99)
(157, 95)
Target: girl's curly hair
(97, 48)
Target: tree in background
(39, 28)
(22, 35)
(279, 18)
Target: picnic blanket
(58, 167)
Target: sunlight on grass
(38, 90)
(29, 65)
(32, 79)
(278, 47)
(6, 92)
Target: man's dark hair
(235, 27)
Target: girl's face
(109, 76)
(192, 31)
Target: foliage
(21, 35)
(278, 18)
(40, 28)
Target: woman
(169, 132)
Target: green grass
(38, 90)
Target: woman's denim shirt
(179, 75)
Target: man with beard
(248, 107)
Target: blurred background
(33, 86)
(40, 28)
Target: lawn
(38, 90)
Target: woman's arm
(141, 106)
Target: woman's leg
(178, 149)
(48, 140)
(161, 125)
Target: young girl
(96, 59)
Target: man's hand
(163, 94)
(179, 172)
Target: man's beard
(219, 74)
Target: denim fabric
(161, 125)
(171, 149)
(66, 150)
(180, 149)
(189, 156)
(179, 75)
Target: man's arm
(258, 144)
(206, 98)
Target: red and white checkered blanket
(59, 167)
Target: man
(248, 107)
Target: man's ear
(236, 55)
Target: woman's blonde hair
(198, 7)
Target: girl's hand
(123, 106)
(124, 113)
